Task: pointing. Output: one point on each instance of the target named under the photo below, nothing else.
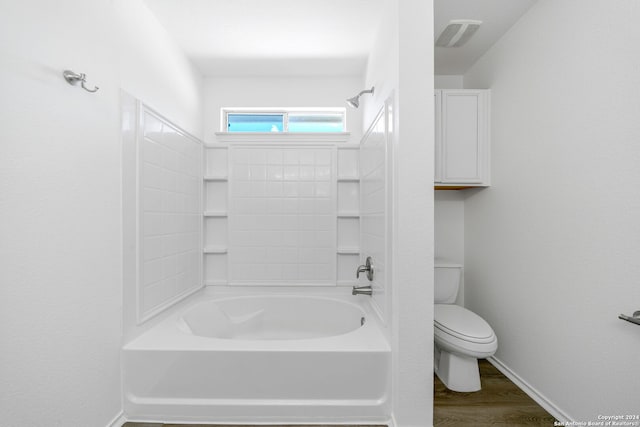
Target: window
(321, 120)
(248, 122)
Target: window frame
(225, 111)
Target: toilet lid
(462, 323)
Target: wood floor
(499, 403)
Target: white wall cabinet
(462, 137)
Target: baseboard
(540, 399)
(118, 420)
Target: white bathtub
(272, 318)
(261, 359)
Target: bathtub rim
(184, 323)
(166, 334)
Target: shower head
(355, 101)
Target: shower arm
(365, 91)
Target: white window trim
(283, 137)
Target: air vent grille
(458, 32)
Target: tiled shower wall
(279, 214)
(170, 209)
(282, 215)
(375, 188)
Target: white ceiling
(313, 37)
(273, 37)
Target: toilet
(461, 337)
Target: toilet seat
(462, 323)
(462, 331)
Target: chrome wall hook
(73, 78)
(635, 318)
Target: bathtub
(273, 358)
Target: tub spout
(362, 290)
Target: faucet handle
(367, 267)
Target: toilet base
(458, 373)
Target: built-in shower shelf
(214, 214)
(348, 251)
(348, 179)
(348, 215)
(215, 250)
(215, 178)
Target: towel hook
(635, 318)
(73, 78)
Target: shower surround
(162, 211)
(280, 210)
(265, 329)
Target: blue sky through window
(255, 122)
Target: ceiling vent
(458, 32)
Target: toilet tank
(446, 283)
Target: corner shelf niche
(215, 214)
(211, 250)
(348, 215)
(221, 178)
(344, 250)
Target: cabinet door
(464, 126)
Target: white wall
(552, 247)
(448, 227)
(265, 92)
(400, 66)
(448, 82)
(60, 196)
(154, 69)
